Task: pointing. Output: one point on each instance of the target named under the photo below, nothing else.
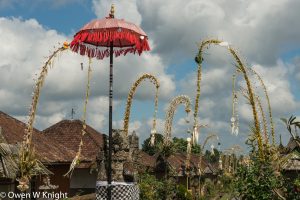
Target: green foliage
(183, 194)
(258, 180)
(154, 189)
(227, 183)
(180, 146)
(210, 189)
(291, 122)
(150, 188)
(151, 150)
(297, 182)
(292, 188)
(212, 158)
(222, 189)
(167, 150)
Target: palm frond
(284, 120)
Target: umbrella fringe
(83, 42)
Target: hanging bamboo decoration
(212, 147)
(27, 160)
(268, 102)
(182, 99)
(129, 102)
(188, 160)
(234, 119)
(153, 130)
(220, 162)
(189, 152)
(241, 67)
(76, 160)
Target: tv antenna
(72, 113)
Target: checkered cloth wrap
(120, 191)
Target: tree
(179, 145)
(259, 180)
(150, 188)
(151, 150)
(291, 123)
(212, 157)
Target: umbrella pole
(109, 177)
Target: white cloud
(261, 30)
(22, 56)
(258, 28)
(276, 80)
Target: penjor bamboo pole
(242, 68)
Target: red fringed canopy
(126, 36)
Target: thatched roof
(291, 161)
(8, 165)
(294, 144)
(9, 158)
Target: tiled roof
(68, 134)
(177, 162)
(145, 159)
(178, 159)
(47, 151)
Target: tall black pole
(109, 177)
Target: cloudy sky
(266, 34)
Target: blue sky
(65, 18)
(265, 33)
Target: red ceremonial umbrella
(119, 37)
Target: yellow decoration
(27, 158)
(241, 67)
(182, 99)
(268, 102)
(130, 97)
(66, 45)
(76, 160)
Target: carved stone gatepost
(124, 172)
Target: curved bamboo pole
(182, 99)
(261, 111)
(36, 94)
(130, 97)
(264, 120)
(268, 102)
(242, 68)
(27, 158)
